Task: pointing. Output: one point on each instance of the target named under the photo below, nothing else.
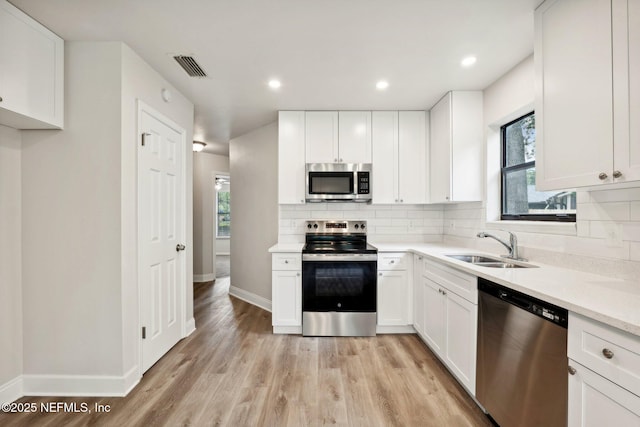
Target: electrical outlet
(614, 235)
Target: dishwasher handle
(514, 299)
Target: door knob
(180, 247)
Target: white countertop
(611, 301)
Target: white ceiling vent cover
(190, 65)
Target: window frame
(504, 170)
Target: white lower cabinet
(450, 321)
(418, 300)
(604, 374)
(286, 293)
(596, 401)
(394, 292)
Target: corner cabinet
(291, 157)
(338, 136)
(286, 293)
(604, 375)
(587, 93)
(399, 157)
(31, 72)
(455, 172)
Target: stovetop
(337, 237)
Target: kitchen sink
(486, 261)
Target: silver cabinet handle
(180, 247)
(0, 99)
(603, 176)
(335, 160)
(401, 200)
(617, 174)
(392, 262)
(572, 370)
(607, 353)
(379, 274)
(340, 160)
(286, 261)
(298, 274)
(396, 200)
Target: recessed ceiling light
(382, 85)
(274, 84)
(468, 61)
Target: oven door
(345, 283)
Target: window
(223, 207)
(520, 200)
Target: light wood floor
(234, 372)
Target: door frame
(214, 215)
(182, 286)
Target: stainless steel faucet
(512, 246)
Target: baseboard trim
(250, 297)
(400, 329)
(210, 277)
(190, 327)
(296, 330)
(80, 385)
(11, 390)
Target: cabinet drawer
(463, 284)
(392, 261)
(608, 351)
(286, 261)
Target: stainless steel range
(339, 280)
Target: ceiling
(329, 54)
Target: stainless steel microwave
(338, 182)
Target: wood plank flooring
(234, 372)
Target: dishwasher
(521, 376)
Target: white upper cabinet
(412, 160)
(587, 95)
(291, 157)
(321, 133)
(399, 157)
(338, 137)
(31, 72)
(385, 157)
(456, 148)
(354, 136)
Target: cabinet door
(466, 146)
(433, 315)
(385, 156)
(291, 159)
(461, 326)
(626, 87)
(418, 292)
(440, 151)
(412, 160)
(286, 298)
(596, 401)
(354, 136)
(321, 136)
(392, 298)
(31, 68)
(574, 99)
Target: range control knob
(357, 226)
(308, 225)
(363, 226)
(315, 225)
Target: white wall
(254, 206)
(204, 167)
(10, 264)
(79, 233)
(585, 245)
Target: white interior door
(161, 227)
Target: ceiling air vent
(190, 66)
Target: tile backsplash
(605, 239)
(388, 223)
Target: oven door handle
(340, 257)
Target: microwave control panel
(363, 182)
